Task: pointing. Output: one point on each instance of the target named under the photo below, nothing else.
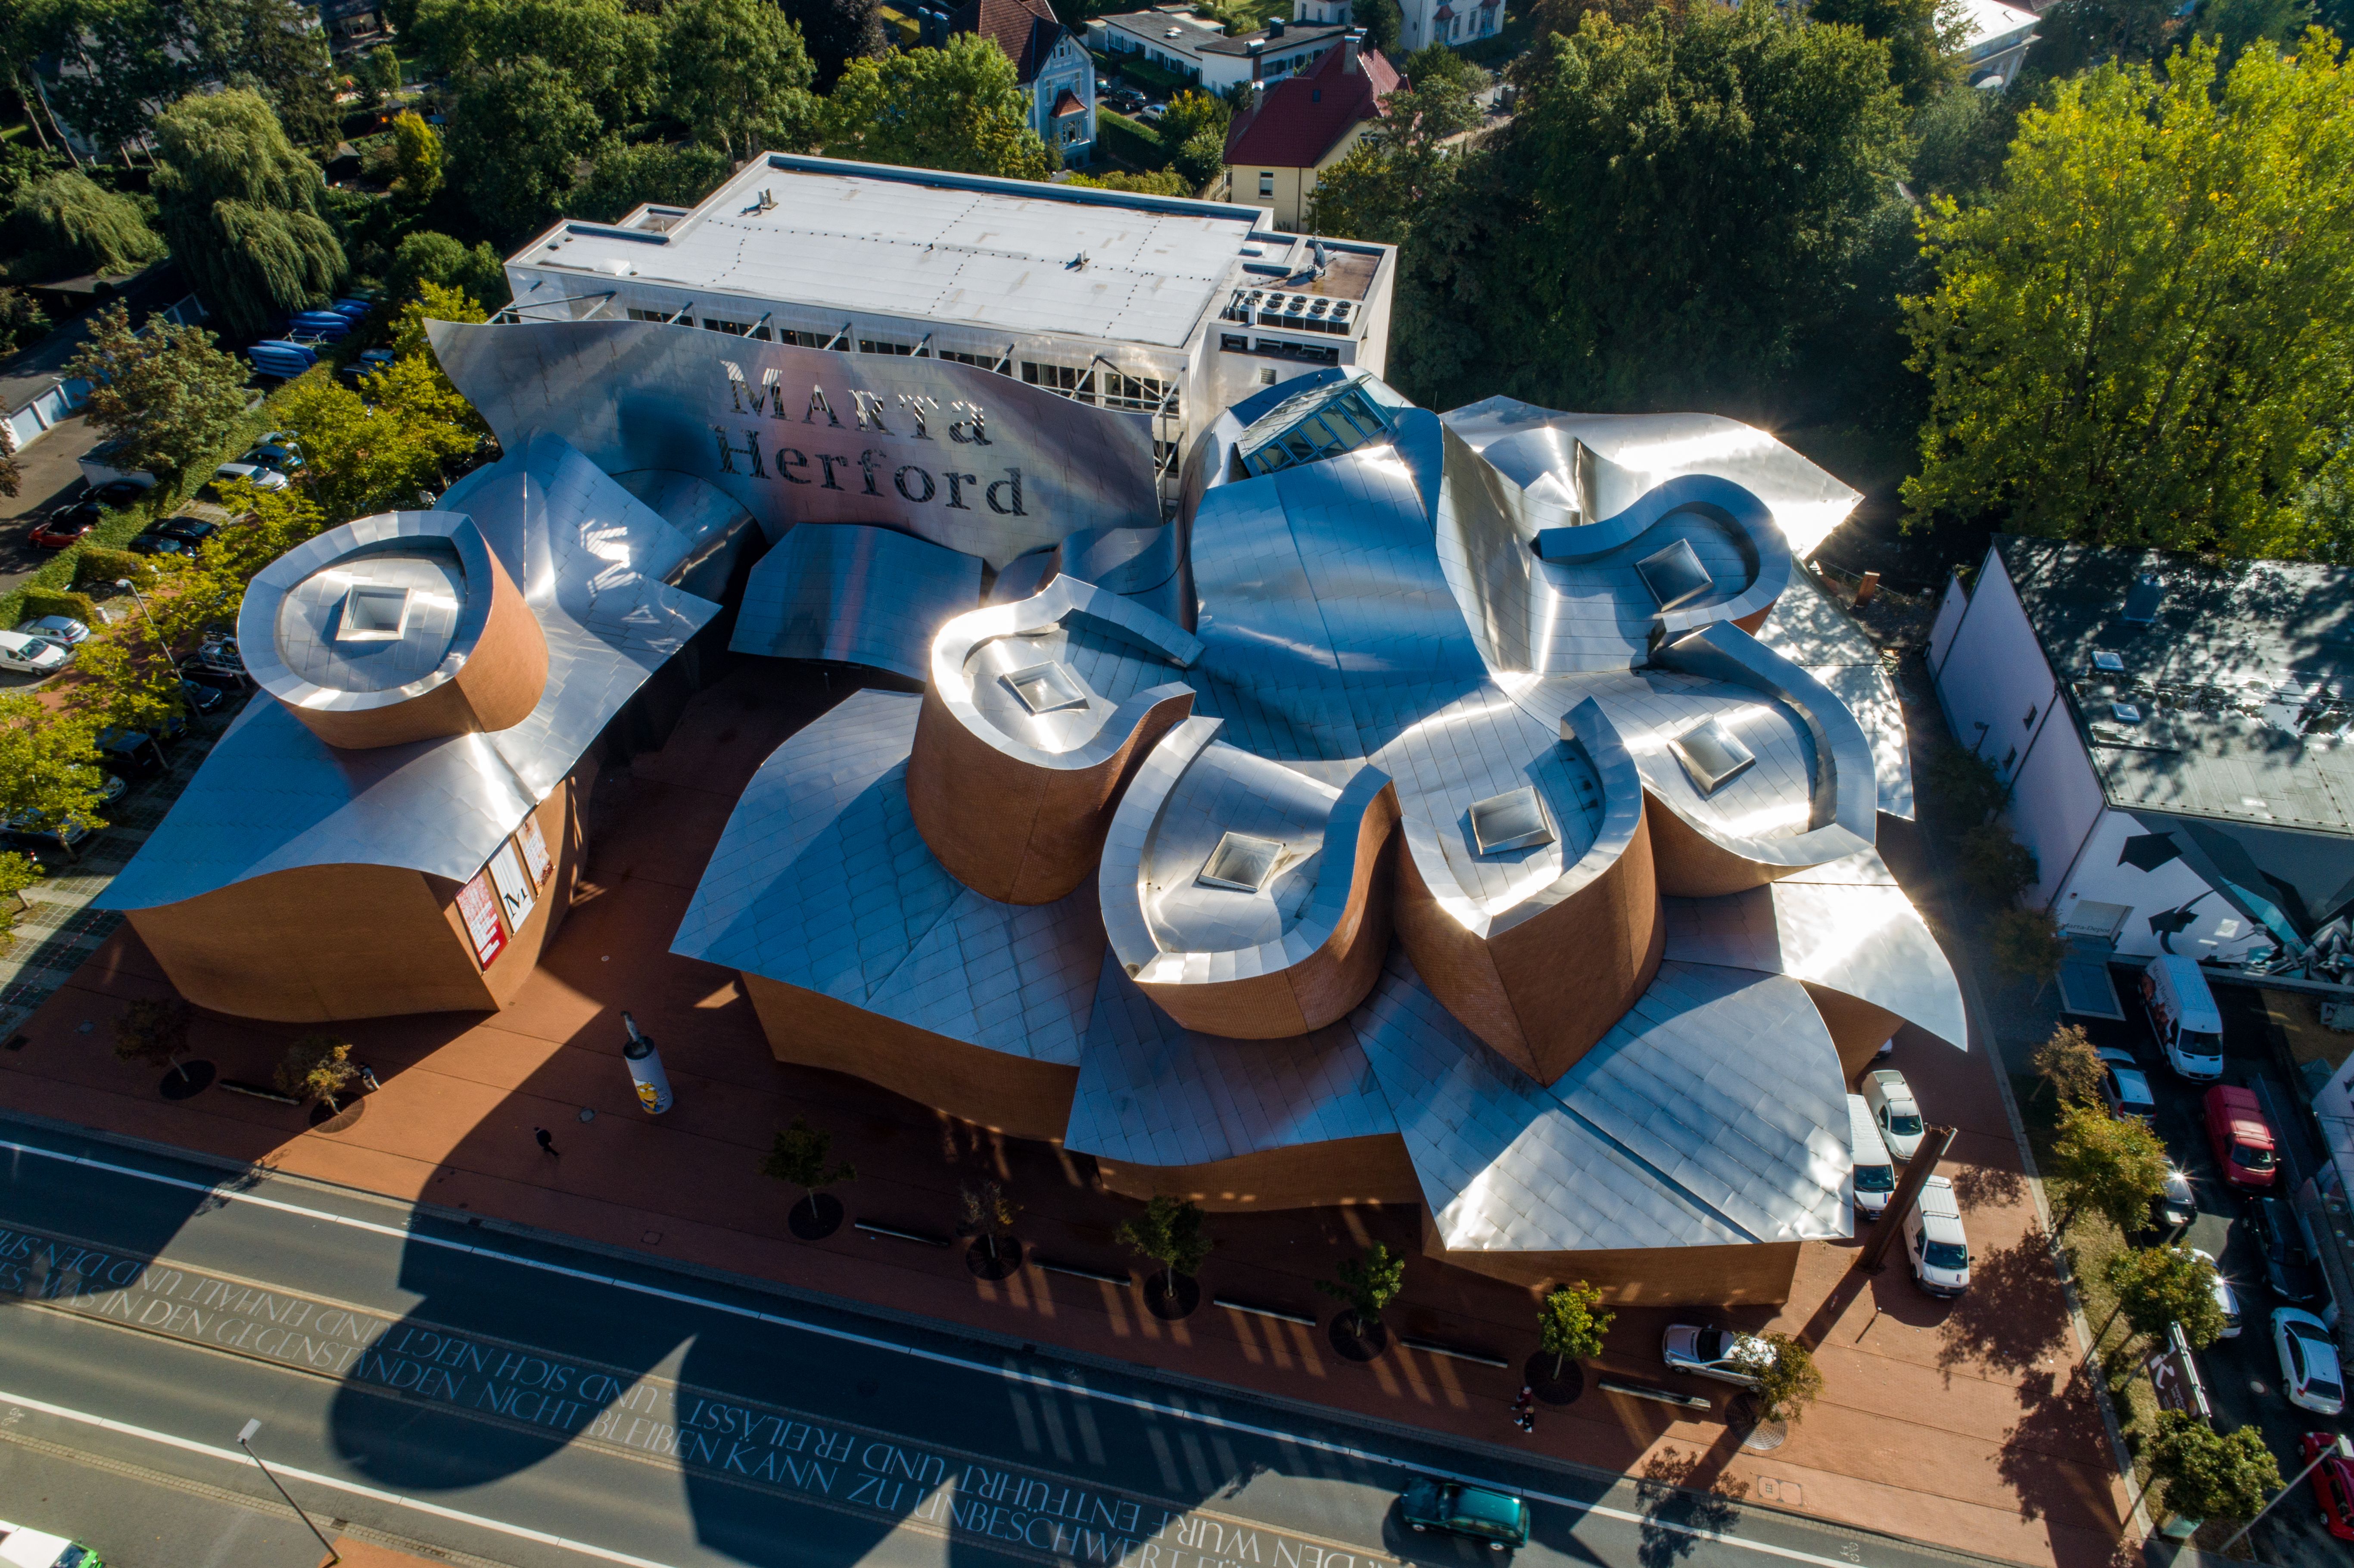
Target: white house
(1995, 41)
(2172, 735)
(1050, 61)
(1451, 22)
(1173, 38)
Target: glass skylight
(1711, 755)
(1675, 575)
(1515, 820)
(1046, 688)
(1241, 862)
(372, 613)
(1342, 422)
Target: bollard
(646, 1069)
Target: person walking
(546, 1143)
(1524, 1409)
(368, 1078)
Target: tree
(1383, 22)
(379, 75)
(2207, 1474)
(797, 1158)
(986, 1212)
(49, 764)
(2111, 1165)
(1159, 181)
(1961, 137)
(12, 478)
(1568, 1327)
(1169, 1231)
(274, 47)
(373, 450)
(1648, 140)
(210, 589)
(166, 392)
(2235, 24)
(2074, 35)
(17, 873)
(1925, 40)
(836, 32)
(154, 1030)
(122, 690)
(2028, 943)
(416, 159)
(1786, 1388)
(627, 175)
(520, 130)
(1193, 112)
(604, 51)
(1551, 17)
(66, 223)
(22, 324)
(959, 108)
(1961, 786)
(317, 1066)
(433, 304)
(1994, 866)
(2168, 361)
(2161, 1285)
(2068, 1064)
(426, 256)
(1397, 171)
(240, 207)
(737, 75)
(1368, 1285)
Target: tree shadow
(2041, 1459)
(1988, 1186)
(1681, 1493)
(2013, 1319)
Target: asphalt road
(2243, 1374)
(514, 1400)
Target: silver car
(1720, 1353)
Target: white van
(1875, 1172)
(2182, 1014)
(22, 1548)
(1934, 1242)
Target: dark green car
(1499, 1518)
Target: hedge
(1131, 141)
(96, 567)
(41, 601)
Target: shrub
(1791, 1383)
(41, 601)
(95, 566)
(1994, 866)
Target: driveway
(53, 482)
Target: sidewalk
(1971, 1425)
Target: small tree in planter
(1169, 1231)
(2208, 1474)
(987, 1215)
(317, 1066)
(1367, 1285)
(156, 1032)
(797, 1158)
(1569, 1330)
(1786, 1388)
(2113, 1166)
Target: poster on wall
(518, 896)
(535, 850)
(480, 907)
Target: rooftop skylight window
(1711, 755)
(1515, 820)
(1675, 575)
(2113, 663)
(372, 613)
(2125, 713)
(1046, 688)
(1241, 864)
(1343, 423)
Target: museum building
(1474, 811)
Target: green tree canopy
(2161, 1285)
(1397, 170)
(1925, 39)
(1368, 1284)
(961, 109)
(49, 763)
(372, 450)
(317, 1066)
(2111, 1166)
(427, 257)
(1383, 23)
(1169, 1231)
(2146, 335)
(604, 51)
(1670, 207)
(137, 55)
(799, 1159)
(1791, 1383)
(240, 207)
(737, 74)
(2207, 1474)
(416, 158)
(66, 223)
(836, 32)
(166, 393)
(628, 174)
(519, 131)
(1568, 1327)
(2068, 1064)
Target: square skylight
(2102, 659)
(1675, 575)
(1711, 754)
(1515, 820)
(2125, 713)
(1046, 688)
(372, 613)
(1241, 862)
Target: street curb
(1078, 1361)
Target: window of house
(1267, 182)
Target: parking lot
(2243, 1374)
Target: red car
(2241, 1138)
(64, 527)
(2333, 1481)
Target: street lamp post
(142, 600)
(245, 1441)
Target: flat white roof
(950, 249)
(1984, 21)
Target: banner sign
(535, 850)
(517, 895)
(480, 909)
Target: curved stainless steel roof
(855, 595)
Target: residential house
(1051, 61)
(1450, 22)
(1994, 42)
(1277, 151)
(1174, 40)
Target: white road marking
(1009, 1374)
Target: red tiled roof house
(1051, 61)
(1277, 151)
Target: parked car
(1935, 1241)
(134, 753)
(62, 629)
(2240, 1136)
(216, 650)
(34, 831)
(2308, 1361)
(1875, 1168)
(1152, 113)
(117, 492)
(1126, 99)
(1458, 1508)
(1894, 1111)
(1720, 1353)
(2124, 1089)
(2227, 1300)
(2332, 1479)
(201, 697)
(278, 457)
(194, 531)
(63, 528)
(32, 655)
(2183, 1015)
(2286, 1250)
(2174, 1207)
(39, 1549)
(252, 473)
(151, 542)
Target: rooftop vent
(1711, 755)
(1241, 862)
(2125, 713)
(1515, 820)
(2141, 604)
(1675, 575)
(2113, 663)
(1046, 688)
(373, 614)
